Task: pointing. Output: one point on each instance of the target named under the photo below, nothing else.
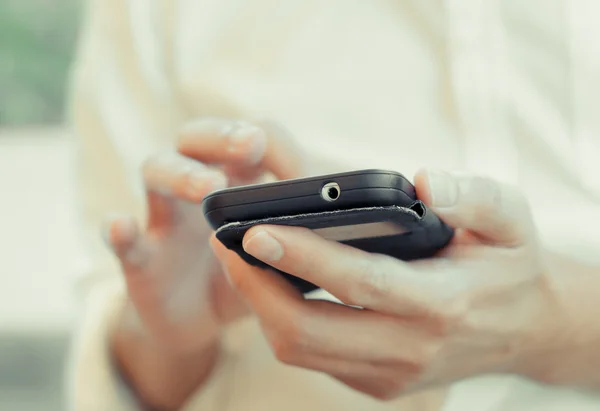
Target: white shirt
(504, 88)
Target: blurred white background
(37, 266)
(37, 229)
(38, 243)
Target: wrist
(536, 353)
(563, 350)
(171, 337)
(162, 377)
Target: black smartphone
(374, 210)
(366, 188)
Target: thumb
(492, 211)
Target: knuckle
(388, 390)
(288, 339)
(415, 360)
(283, 349)
(428, 354)
(449, 316)
(503, 206)
(238, 280)
(455, 310)
(406, 360)
(483, 193)
(372, 283)
(483, 187)
(194, 182)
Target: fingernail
(264, 247)
(249, 141)
(201, 182)
(442, 188)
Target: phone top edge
(359, 179)
(300, 180)
(360, 197)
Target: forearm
(570, 352)
(162, 379)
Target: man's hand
(482, 306)
(179, 298)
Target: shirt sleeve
(95, 381)
(123, 109)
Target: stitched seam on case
(320, 214)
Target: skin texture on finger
(494, 212)
(243, 149)
(222, 141)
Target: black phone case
(424, 233)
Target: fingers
(173, 176)
(243, 148)
(345, 342)
(122, 235)
(297, 328)
(275, 291)
(355, 277)
(494, 212)
(221, 141)
(332, 266)
(134, 251)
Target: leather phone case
(406, 233)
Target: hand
(179, 296)
(479, 307)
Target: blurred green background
(37, 38)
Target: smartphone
(373, 210)
(355, 189)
